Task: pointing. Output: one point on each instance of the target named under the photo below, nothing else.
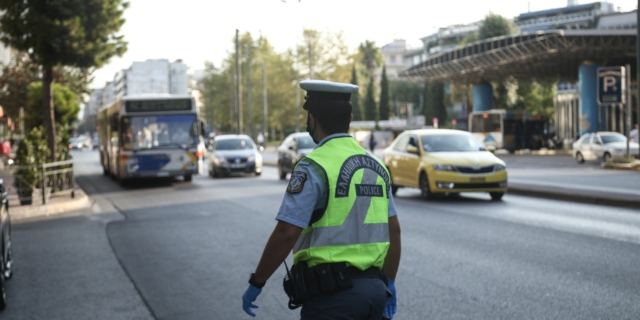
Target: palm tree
(370, 56)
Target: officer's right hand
(392, 303)
(248, 298)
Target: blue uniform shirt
(297, 208)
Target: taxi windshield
(451, 143)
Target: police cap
(320, 90)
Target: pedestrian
(260, 139)
(341, 264)
(633, 135)
(372, 142)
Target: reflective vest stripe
(353, 230)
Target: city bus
(150, 136)
(510, 130)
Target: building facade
(152, 76)
(393, 55)
(618, 21)
(573, 16)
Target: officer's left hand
(248, 298)
(392, 303)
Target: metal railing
(39, 183)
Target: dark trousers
(365, 301)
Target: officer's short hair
(334, 116)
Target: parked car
(441, 161)
(234, 154)
(96, 141)
(292, 149)
(602, 145)
(5, 246)
(79, 143)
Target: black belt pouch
(326, 282)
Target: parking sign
(611, 85)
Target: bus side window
(115, 128)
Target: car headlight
(219, 160)
(499, 167)
(443, 167)
(619, 150)
(251, 158)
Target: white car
(602, 145)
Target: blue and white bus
(150, 136)
(509, 130)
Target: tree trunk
(47, 108)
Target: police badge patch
(296, 183)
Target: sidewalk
(55, 205)
(557, 176)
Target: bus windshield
(486, 122)
(152, 132)
(451, 143)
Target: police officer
(338, 217)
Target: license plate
(163, 174)
(478, 179)
(235, 166)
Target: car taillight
(199, 154)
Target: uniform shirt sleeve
(297, 208)
(392, 207)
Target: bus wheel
(188, 177)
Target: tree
(494, 25)
(434, 103)
(74, 33)
(329, 56)
(355, 98)
(536, 98)
(17, 76)
(370, 110)
(369, 56)
(66, 106)
(384, 95)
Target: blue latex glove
(248, 298)
(392, 303)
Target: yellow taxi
(442, 161)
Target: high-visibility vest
(355, 225)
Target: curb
(525, 190)
(81, 201)
(582, 198)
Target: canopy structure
(542, 55)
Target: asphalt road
(175, 250)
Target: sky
(202, 30)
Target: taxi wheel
(188, 177)
(606, 157)
(579, 157)
(425, 192)
(496, 196)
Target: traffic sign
(611, 85)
